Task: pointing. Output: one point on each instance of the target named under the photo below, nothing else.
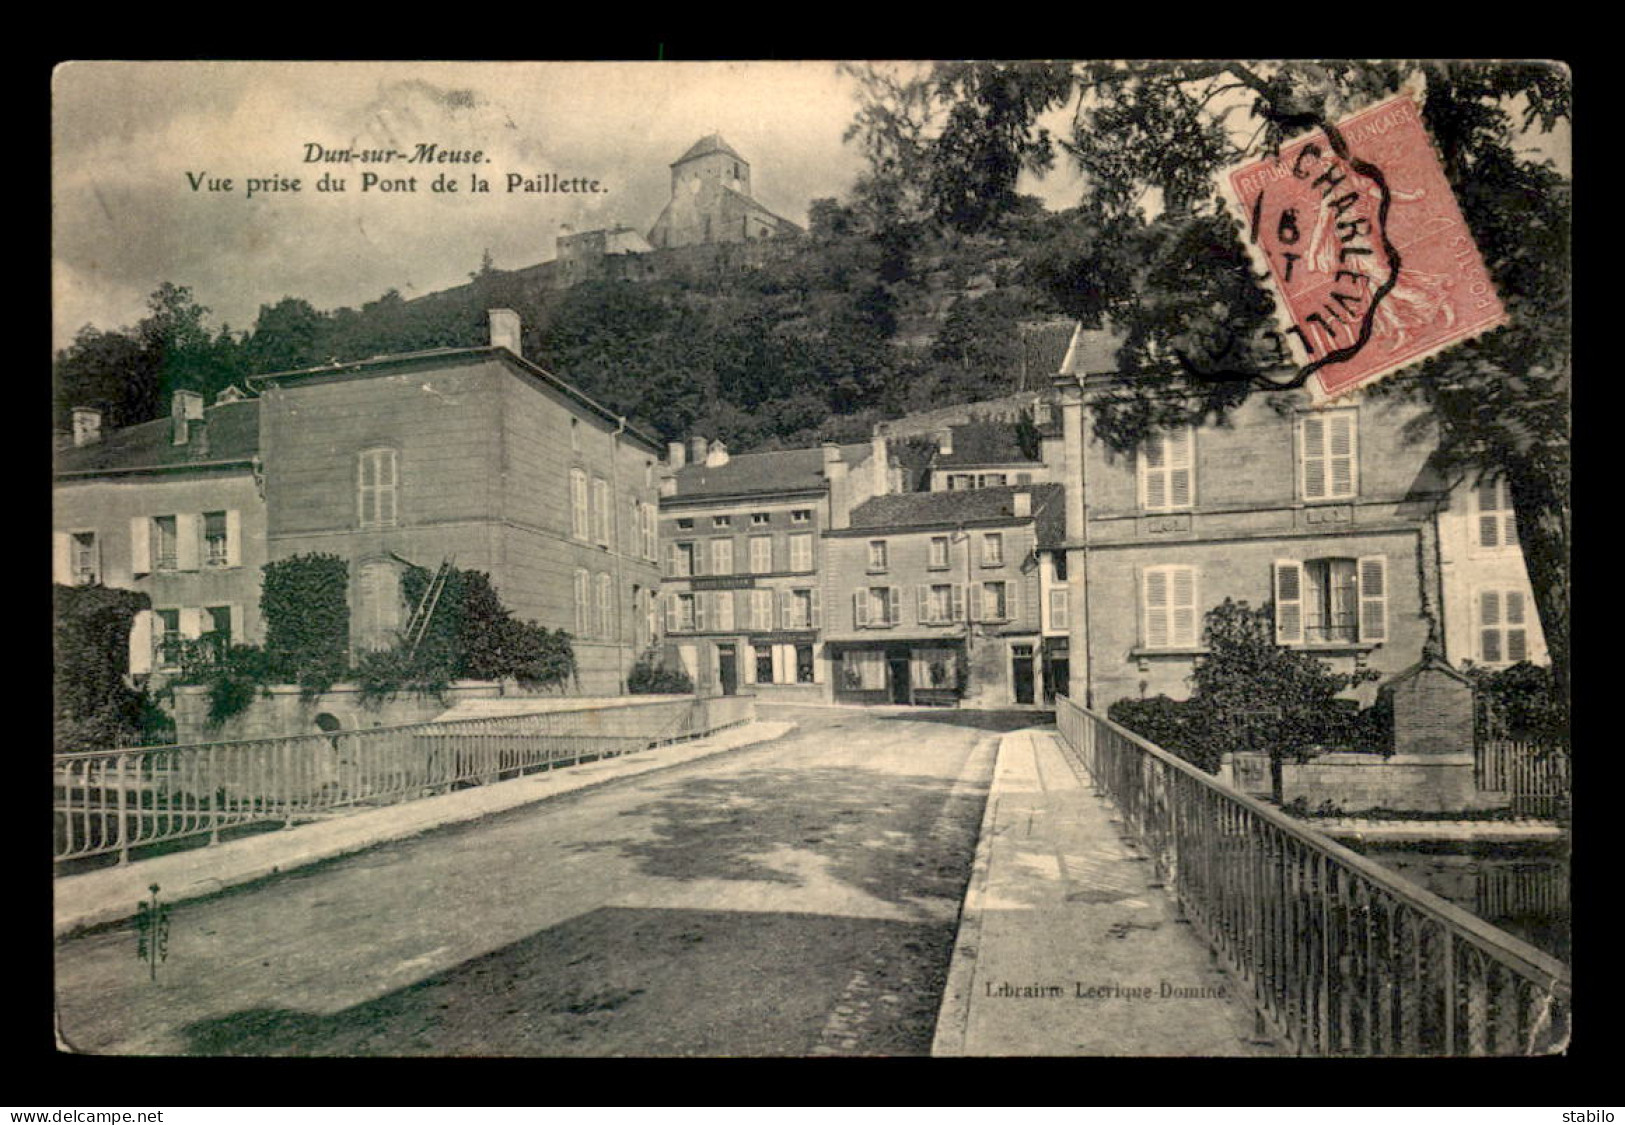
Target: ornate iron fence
(1342, 956)
(113, 801)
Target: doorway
(898, 666)
(728, 668)
(1021, 668)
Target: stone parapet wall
(1409, 782)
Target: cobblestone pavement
(795, 898)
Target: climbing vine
(306, 604)
(95, 707)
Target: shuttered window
(801, 552)
(761, 554)
(1168, 607)
(1493, 524)
(583, 600)
(1328, 455)
(578, 503)
(1331, 601)
(1503, 626)
(1168, 471)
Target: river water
(1520, 888)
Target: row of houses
(993, 554)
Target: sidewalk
(1067, 946)
(112, 893)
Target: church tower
(711, 201)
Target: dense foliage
(651, 675)
(1517, 703)
(1250, 693)
(472, 635)
(95, 709)
(305, 601)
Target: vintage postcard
(976, 559)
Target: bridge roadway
(792, 898)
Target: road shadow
(644, 983)
(896, 837)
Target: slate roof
(1044, 345)
(233, 430)
(753, 204)
(1092, 351)
(790, 470)
(904, 510)
(705, 146)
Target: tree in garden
(1153, 249)
(95, 708)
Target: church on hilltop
(711, 201)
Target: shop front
(927, 673)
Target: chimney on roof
(840, 488)
(1023, 501)
(505, 329)
(717, 456)
(696, 450)
(945, 440)
(87, 425)
(185, 408)
(675, 454)
(880, 459)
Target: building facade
(476, 457)
(1489, 608)
(935, 597)
(743, 592)
(174, 509)
(712, 202)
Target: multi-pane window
(761, 554)
(684, 612)
(1494, 526)
(1503, 626)
(995, 601)
(877, 554)
(801, 552)
(165, 543)
(938, 557)
(378, 478)
(722, 521)
(217, 629)
(993, 548)
(863, 670)
(1167, 470)
(799, 610)
(760, 519)
(801, 515)
(876, 606)
(215, 551)
(166, 638)
(579, 526)
(1331, 601)
(600, 511)
(722, 556)
(682, 559)
(686, 524)
(934, 669)
(1328, 455)
(764, 664)
(941, 603)
(85, 563)
(1168, 607)
(806, 670)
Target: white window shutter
(817, 665)
(1012, 607)
(1153, 475)
(784, 664)
(672, 622)
(141, 643)
(234, 537)
(191, 624)
(1373, 598)
(186, 541)
(141, 546)
(236, 612)
(1156, 607)
(1181, 468)
(1341, 458)
(62, 558)
(1313, 457)
(817, 614)
(860, 608)
(700, 616)
(749, 662)
(1182, 607)
(922, 603)
(894, 605)
(1288, 602)
(958, 596)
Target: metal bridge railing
(114, 801)
(1343, 957)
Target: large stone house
(173, 508)
(478, 457)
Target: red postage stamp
(1372, 265)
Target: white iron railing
(1342, 956)
(114, 801)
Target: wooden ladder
(418, 627)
